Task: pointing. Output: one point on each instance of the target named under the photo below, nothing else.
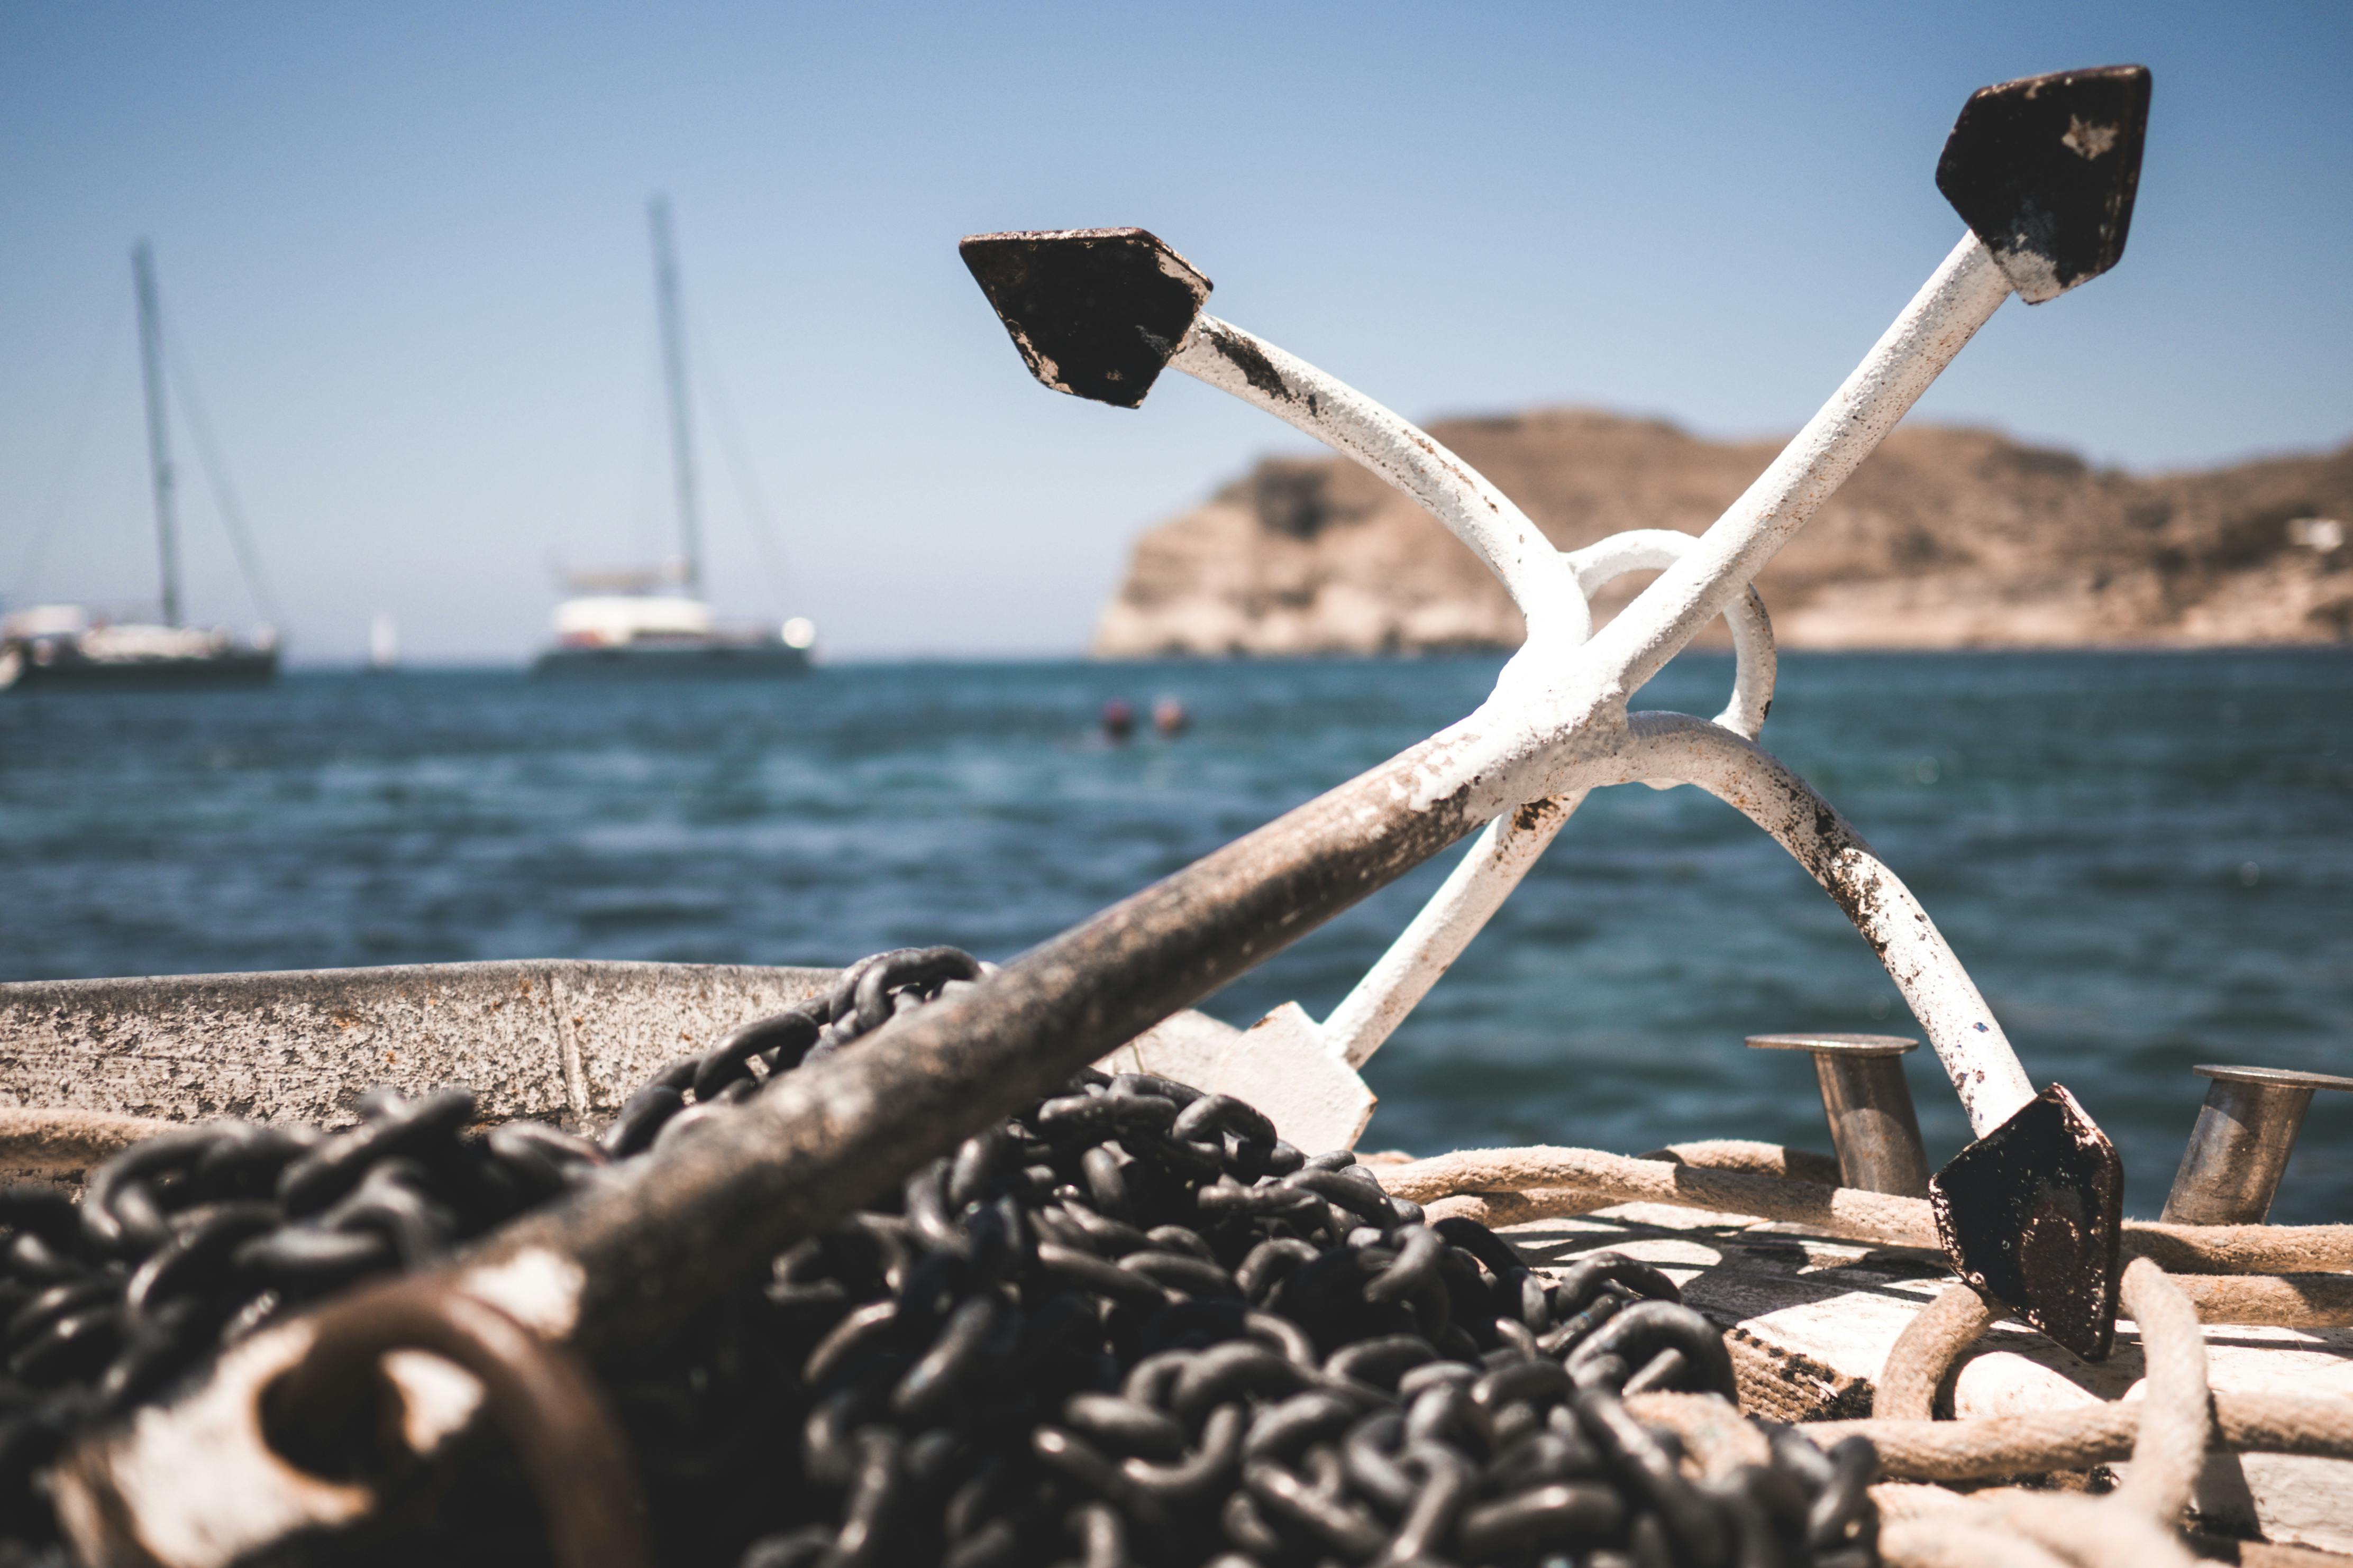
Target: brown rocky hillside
(1943, 538)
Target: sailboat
(653, 622)
(65, 646)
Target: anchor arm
(1488, 873)
(1957, 300)
(2031, 1214)
(2044, 170)
(1703, 578)
(1976, 1053)
(1100, 313)
(1531, 570)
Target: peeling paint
(537, 1287)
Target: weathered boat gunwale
(562, 1039)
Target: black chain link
(1130, 1325)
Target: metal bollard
(1869, 1107)
(2244, 1133)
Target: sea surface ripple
(2145, 859)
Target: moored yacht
(611, 636)
(654, 623)
(63, 646)
(68, 647)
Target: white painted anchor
(2043, 170)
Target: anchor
(2045, 172)
(2029, 1211)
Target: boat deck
(1812, 1320)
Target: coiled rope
(2279, 1275)
(1513, 1187)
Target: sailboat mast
(159, 438)
(681, 415)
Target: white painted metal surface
(1955, 302)
(1503, 853)
(1344, 419)
(1754, 662)
(1961, 1028)
(1557, 727)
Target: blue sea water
(2146, 861)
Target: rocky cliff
(1943, 538)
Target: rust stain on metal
(1536, 814)
(1256, 368)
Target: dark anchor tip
(2043, 170)
(2031, 1216)
(1096, 312)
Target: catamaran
(653, 622)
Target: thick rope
(2135, 1526)
(1898, 1500)
(2176, 1407)
(2242, 1248)
(2283, 1300)
(1546, 1182)
(1933, 1541)
(1925, 1350)
(1929, 1527)
(1749, 1154)
(2037, 1442)
(2094, 1531)
(2166, 1434)
(1718, 1437)
(1513, 1187)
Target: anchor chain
(1129, 1324)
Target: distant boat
(66, 647)
(652, 622)
(383, 642)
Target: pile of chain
(1130, 1324)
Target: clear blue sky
(404, 250)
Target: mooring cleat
(2031, 1216)
(1096, 312)
(2043, 170)
(2238, 1148)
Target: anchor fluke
(2043, 170)
(2032, 1216)
(1096, 312)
